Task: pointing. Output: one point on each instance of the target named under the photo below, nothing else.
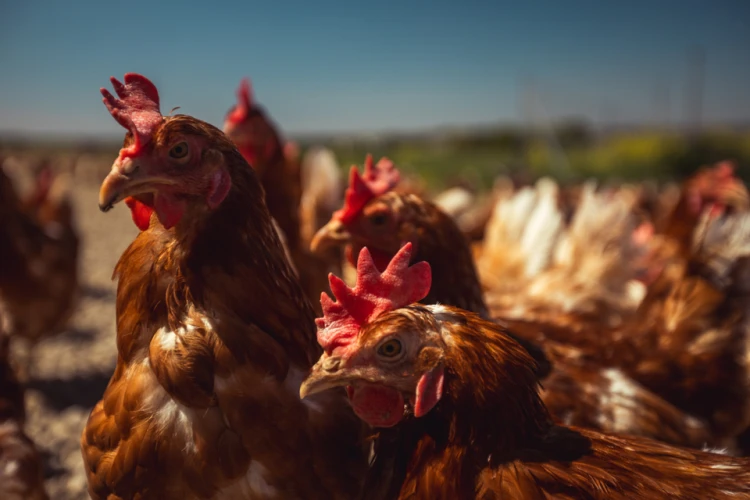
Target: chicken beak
(128, 177)
(326, 374)
(332, 234)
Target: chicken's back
(573, 463)
(607, 400)
(39, 285)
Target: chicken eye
(378, 219)
(390, 349)
(179, 151)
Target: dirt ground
(69, 372)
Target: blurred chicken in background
(299, 195)
(39, 249)
(21, 469)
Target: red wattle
(168, 209)
(221, 183)
(429, 391)
(140, 212)
(377, 405)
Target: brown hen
(214, 332)
(685, 341)
(669, 237)
(39, 255)
(690, 338)
(278, 167)
(465, 396)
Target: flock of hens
(283, 333)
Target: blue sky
(355, 66)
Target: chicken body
(485, 432)
(214, 335)
(39, 255)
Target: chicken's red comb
(244, 102)
(375, 181)
(374, 293)
(137, 108)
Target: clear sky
(359, 66)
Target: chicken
(214, 332)
(536, 265)
(21, 468)
(259, 142)
(39, 254)
(465, 396)
(278, 168)
(590, 271)
(377, 215)
(49, 203)
(690, 338)
(715, 190)
(684, 340)
(577, 390)
(41, 187)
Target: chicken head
(384, 358)
(166, 164)
(371, 216)
(248, 127)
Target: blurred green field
(568, 154)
